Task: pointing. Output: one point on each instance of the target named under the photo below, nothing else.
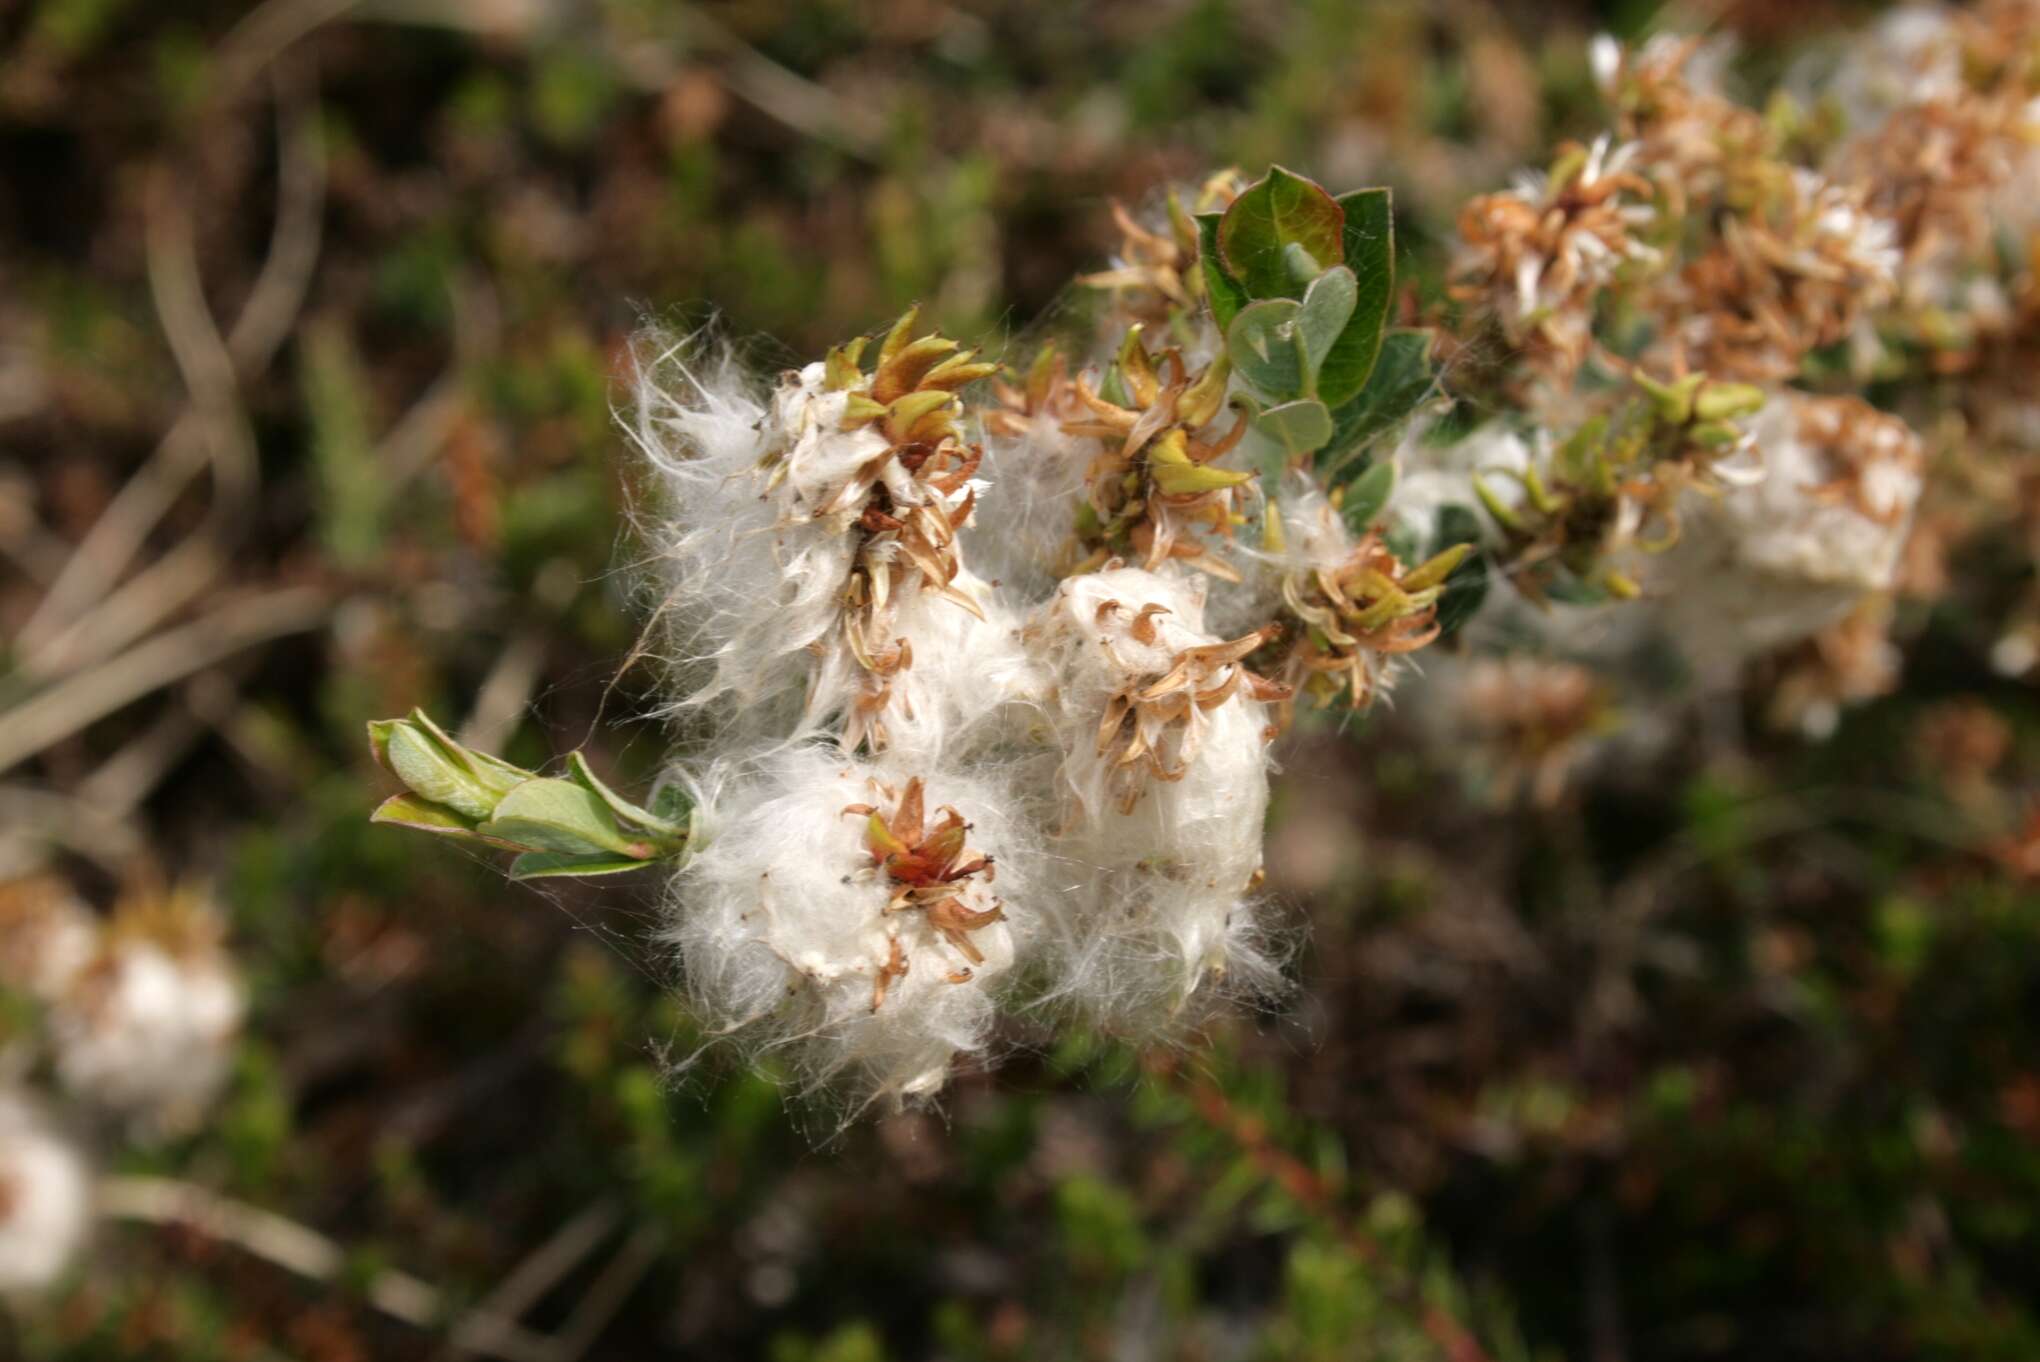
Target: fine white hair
(1037, 472)
(1430, 477)
(742, 598)
(1298, 531)
(751, 544)
(783, 923)
(1156, 908)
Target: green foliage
(1368, 242)
(1296, 427)
(1327, 308)
(74, 27)
(411, 280)
(183, 71)
(1100, 1228)
(1300, 284)
(354, 495)
(1329, 1301)
(560, 827)
(1366, 496)
(255, 1123)
(572, 93)
(1279, 233)
(1267, 349)
(1400, 383)
(1225, 294)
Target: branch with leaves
(1085, 604)
(571, 825)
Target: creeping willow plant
(926, 620)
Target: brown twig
(408, 447)
(278, 294)
(121, 782)
(812, 110)
(608, 1293)
(1318, 1198)
(55, 713)
(298, 1249)
(527, 1284)
(62, 635)
(264, 321)
(32, 819)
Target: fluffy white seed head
(755, 536)
(45, 1198)
(796, 937)
(966, 670)
(1165, 788)
(740, 600)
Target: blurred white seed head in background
(147, 1029)
(45, 1198)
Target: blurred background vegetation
(310, 315)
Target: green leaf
(1271, 215)
(540, 865)
(433, 771)
(1327, 307)
(1224, 292)
(1467, 587)
(1400, 383)
(494, 772)
(1265, 351)
(1298, 427)
(438, 769)
(409, 811)
(1366, 495)
(1368, 248)
(558, 815)
(626, 811)
(1301, 265)
(379, 731)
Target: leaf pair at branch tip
(1300, 284)
(574, 825)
